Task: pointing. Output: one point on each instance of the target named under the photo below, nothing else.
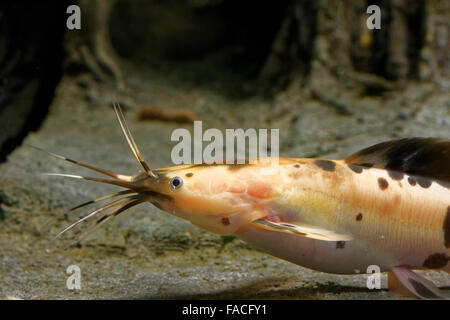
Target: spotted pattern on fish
(424, 157)
(412, 181)
(359, 217)
(382, 183)
(396, 175)
(225, 221)
(326, 165)
(189, 174)
(424, 182)
(354, 168)
(340, 245)
(436, 261)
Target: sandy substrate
(148, 254)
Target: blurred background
(312, 69)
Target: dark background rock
(31, 55)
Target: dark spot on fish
(426, 157)
(225, 221)
(447, 228)
(422, 290)
(359, 217)
(356, 169)
(412, 181)
(400, 184)
(436, 261)
(326, 165)
(382, 183)
(296, 165)
(395, 175)
(340, 245)
(189, 174)
(424, 182)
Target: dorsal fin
(426, 157)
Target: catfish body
(393, 218)
(387, 205)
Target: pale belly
(401, 225)
(351, 257)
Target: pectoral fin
(401, 280)
(303, 230)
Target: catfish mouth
(146, 186)
(157, 199)
(138, 192)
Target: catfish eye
(176, 182)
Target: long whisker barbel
(109, 196)
(105, 207)
(124, 206)
(116, 176)
(119, 180)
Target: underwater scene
(221, 150)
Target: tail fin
(402, 280)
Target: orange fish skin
(392, 218)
